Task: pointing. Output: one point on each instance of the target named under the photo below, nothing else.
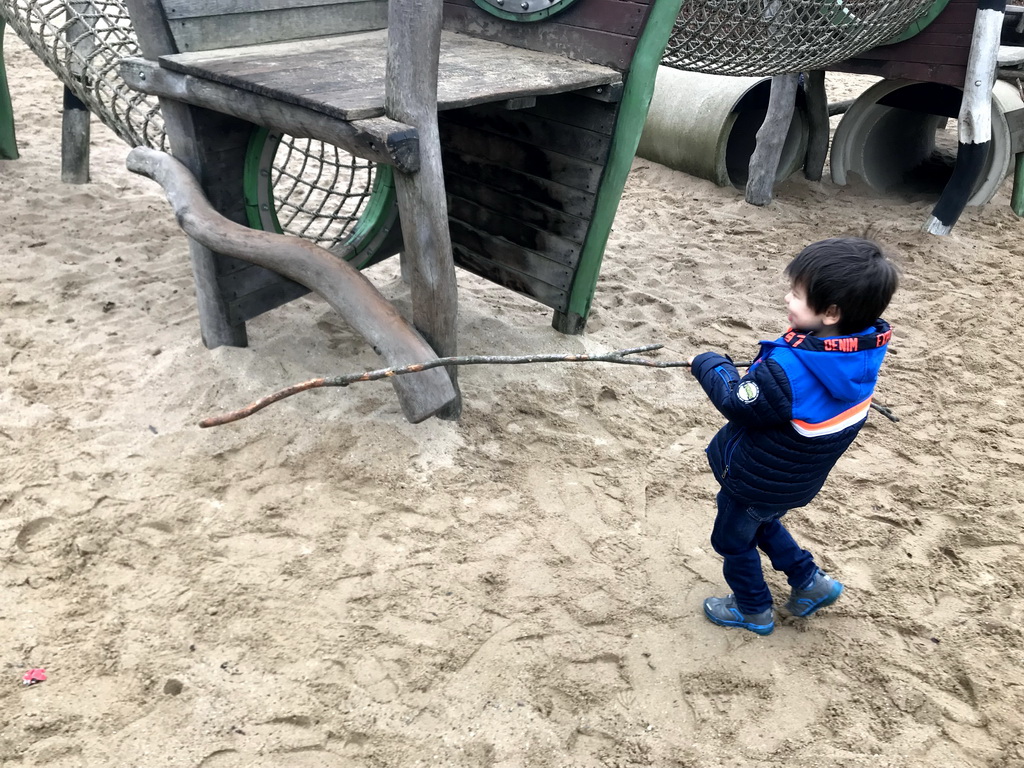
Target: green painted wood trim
(257, 188)
(636, 100)
(1017, 198)
(8, 142)
(524, 16)
(915, 27)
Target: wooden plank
(188, 9)
(579, 111)
(343, 77)
(379, 138)
(526, 157)
(271, 295)
(557, 197)
(589, 146)
(555, 248)
(213, 32)
(926, 73)
(522, 261)
(520, 282)
(523, 209)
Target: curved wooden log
(353, 296)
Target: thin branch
(620, 356)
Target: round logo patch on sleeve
(748, 392)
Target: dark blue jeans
(740, 530)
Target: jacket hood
(846, 366)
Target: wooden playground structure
(509, 158)
(496, 137)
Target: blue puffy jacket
(792, 415)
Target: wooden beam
(379, 139)
(410, 96)
(353, 296)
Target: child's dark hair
(850, 272)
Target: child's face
(803, 318)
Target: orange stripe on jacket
(847, 418)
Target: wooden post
(190, 133)
(74, 140)
(75, 119)
(8, 142)
(975, 118)
(410, 96)
(764, 162)
(817, 124)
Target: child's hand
(690, 361)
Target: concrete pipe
(894, 139)
(706, 126)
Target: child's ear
(832, 315)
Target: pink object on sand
(34, 676)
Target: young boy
(790, 418)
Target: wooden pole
(764, 162)
(410, 96)
(817, 125)
(975, 118)
(75, 118)
(344, 287)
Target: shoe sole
(826, 601)
(760, 629)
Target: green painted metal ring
(917, 26)
(524, 10)
(370, 232)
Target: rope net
(774, 37)
(318, 190)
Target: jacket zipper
(730, 447)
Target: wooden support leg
(8, 142)
(764, 162)
(74, 140)
(212, 147)
(414, 39)
(975, 119)
(75, 128)
(817, 125)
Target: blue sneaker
(822, 590)
(724, 612)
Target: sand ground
(324, 584)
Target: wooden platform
(342, 76)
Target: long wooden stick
(620, 356)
